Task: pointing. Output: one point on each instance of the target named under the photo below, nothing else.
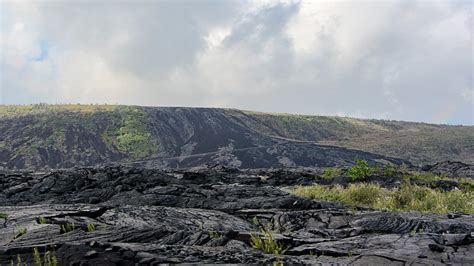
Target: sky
(402, 60)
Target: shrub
(359, 171)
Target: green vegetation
(278, 263)
(407, 197)
(215, 234)
(265, 241)
(3, 216)
(388, 170)
(66, 228)
(37, 256)
(331, 172)
(90, 228)
(49, 259)
(360, 171)
(415, 231)
(428, 178)
(20, 231)
(18, 261)
(128, 132)
(123, 129)
(41, 220)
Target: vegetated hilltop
(56, 136)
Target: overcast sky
(404, 60)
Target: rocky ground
(207, 215)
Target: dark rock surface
(452, 169)
(151, 216)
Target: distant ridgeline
(60, 136)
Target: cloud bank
(405, 60)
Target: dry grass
(12, 111)
(406, 198)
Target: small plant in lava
(41, 220)
(90, 228)
(265, 240)
(66, 228)
(20, 231)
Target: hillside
(58, 136)
(419, 143)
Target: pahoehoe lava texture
(207, 215)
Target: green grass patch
(406, 198)
(465, 183)
(331, 173)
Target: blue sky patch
(43, 55)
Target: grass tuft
(20, 231)
(49, 259)
(41, 220)
(90, 228)
(215, 234)
(265, 240)
(266, 243)
(66, 228)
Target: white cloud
(384, 59)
